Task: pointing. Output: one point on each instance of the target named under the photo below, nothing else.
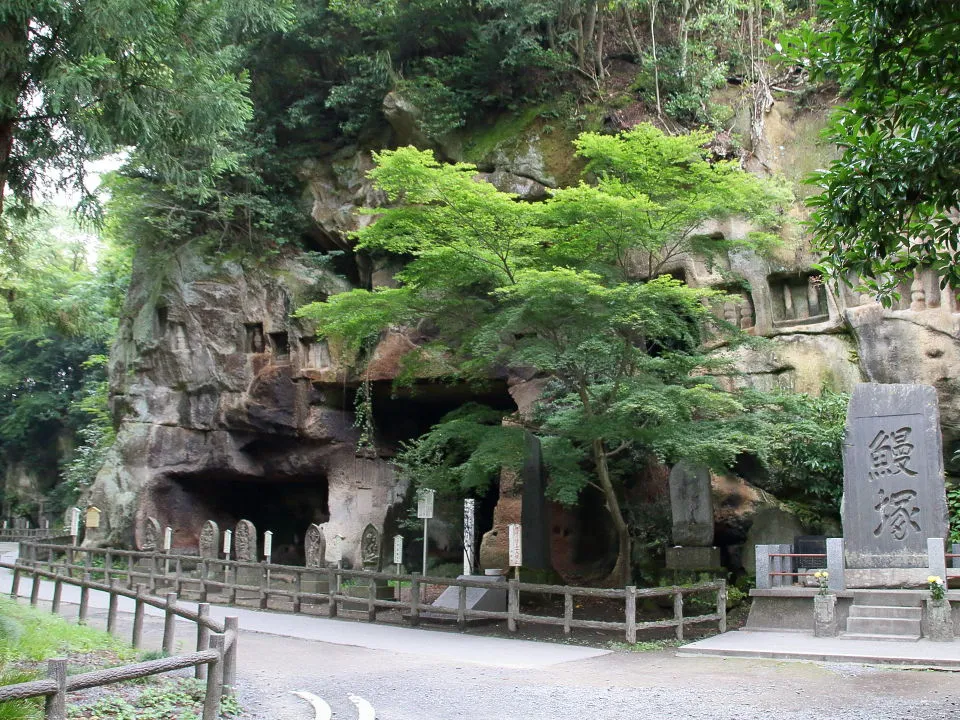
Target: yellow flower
(935, 579)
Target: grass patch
(180, 699)
(29, 636)
(645, 645)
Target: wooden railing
(256, 584)
(15, 534)
(214, 658)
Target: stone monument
(152, 532)
(370, 548)
(893, 482)
(245, 541)
(315, 554)
(315, 547)
(691, 505)
(209, 539)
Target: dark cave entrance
(284, 505)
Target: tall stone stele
(893, 484)
(209, 540)
(691, 506)
(245, 541)
(315, 547)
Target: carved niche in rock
(315, 546)
(798, 299)
(245, 541)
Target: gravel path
(653, 686)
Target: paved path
(407, 674)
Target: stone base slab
(894, 578)
(693, 558)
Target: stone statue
(315, 546)
(370, 547)
(245, 541)
(209, 540)
(151, 535)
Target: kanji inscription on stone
(893, 481)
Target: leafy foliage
(549, 288)
(84, 79)
(886, 203)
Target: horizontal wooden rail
(238, 582)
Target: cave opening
(284, 505)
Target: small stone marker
(268, 544)
(93, 517)
(167, 539)
(516, 547)
(209, 539)
(691, 505)
(370, 547)
(152, 534)
(894, 496)
(246, 541)
(227, 543)
(315, 546)
(336, 549)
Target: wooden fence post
(112, 608)
(35, 589)
(415, 599)
(57, 593)
(371, 600)
(84, 598)
(567, 613)
(722, 606)
(230, 625)
(55, 706)
(297, 589)
(211, 701)
(264, 585)
(169, 623)
(631, 603)
(513, 604)
(178, 581)
(107, 567)
(678, 613)
(203, 637)
(136, 641)
(462, 607)
(333, 580)
(130, 571)
(15, 585)
(202, 575)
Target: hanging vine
(363, 411)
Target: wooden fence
(216, 643)
(257, 584)
(17, 534)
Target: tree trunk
(653, 43)
(621, 573)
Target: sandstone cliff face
(219, 417)
(228, 408)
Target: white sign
(75, 522)
(516, 547)
(268, 544)
(425, 504)
(227, 542)
(469, 506)
(398, 549)
(167, 539)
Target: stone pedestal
(939, 620)
(693, 558)
(825, 616)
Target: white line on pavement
(321, 708)
(364, 709)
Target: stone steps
(886, 611)
(888, 615)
